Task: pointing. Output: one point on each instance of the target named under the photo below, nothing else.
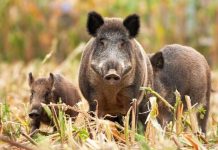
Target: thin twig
(34, 132)
(158, 96)
(126, 127)
(29, 138)
(39, 131)
(191, 115)
(134, 110)
(176, 142)
(55, 119)
(179, 113)
(13, 143)
(202, 138)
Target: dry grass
(91, 132)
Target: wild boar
(182, 68)
(114, 66)
(46, 90)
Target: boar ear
(157, 60)
(94, 22)
(51, 79)
(132, 24)
(31, 79)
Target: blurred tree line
(29, 27)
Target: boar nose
(34, 114)
(112, 77)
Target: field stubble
(14, 91)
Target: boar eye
(102, 41)
(122, 42)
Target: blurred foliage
(27, 28)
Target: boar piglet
(182, 68)
(114, 65)
(46, 90)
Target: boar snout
(34, 114)
(112, 77)
(111, 71)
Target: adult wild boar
(114, 65)
(185, 69)
(46, 90)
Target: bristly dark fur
(113, 48)
(187, 71)
(48, 90)
(94, 22)
(132, 24)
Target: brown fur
(56, 88)
(186, 70)
(115, 99)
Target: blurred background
(31, 29)
(42, 36)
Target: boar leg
(92, 106)
(202, 122)
(204, 100)
(88, 92)
(142, 113)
